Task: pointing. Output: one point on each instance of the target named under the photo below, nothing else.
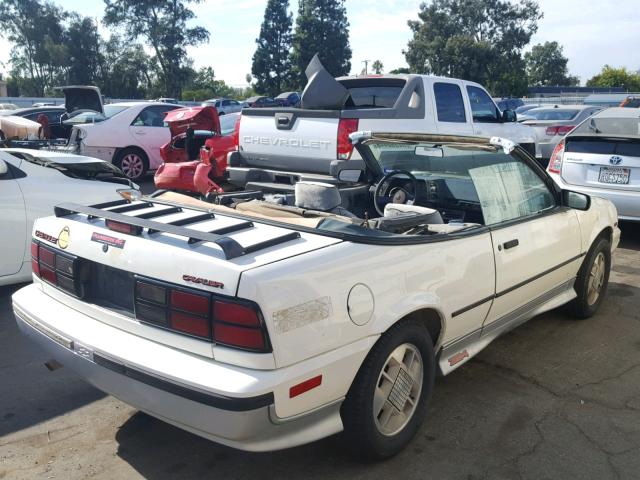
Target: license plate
(615, 175)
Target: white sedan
(129, 135)
(32, 182)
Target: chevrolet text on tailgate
(266, 320)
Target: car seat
(320, 196)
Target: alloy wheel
(132, 165)
(596, 279)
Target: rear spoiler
(230, 247)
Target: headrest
(392, 210)
(317, 195)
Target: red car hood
(198, 118)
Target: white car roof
(619, 112)
(143, 104)
(57, 157)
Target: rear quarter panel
(601, 215)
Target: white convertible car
(275, 318)
(128, 134)
(32, 182)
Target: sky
(592, 32)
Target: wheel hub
(596, 279)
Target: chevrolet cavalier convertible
(314, 304)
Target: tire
(133, 162)
(592, 280)
(386, 432)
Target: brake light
(555, 162)
(346, 126)
(236, 133)
(199, 314)
(57, 268)
(559, 130)
(123, 227)
(238, 325)
(35, 258)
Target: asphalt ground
(554, 399)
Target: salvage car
(553, 122)
(601, 157)
(15, 127)
(32, 182)
(130, 137)
(268, 320)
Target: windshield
(553, 114)
(626, 126)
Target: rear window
(552, 114)
(603, 146)
(374, 96)
(610, 126)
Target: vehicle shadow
(630, 235)
(31, 394)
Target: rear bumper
(247, 422)
(627, 203)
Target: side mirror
(576, 200)
(509, 116)
(3, 168)
(350, 176)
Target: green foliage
(163, 26)
(616, 77)
(377, 67)
(322, 28)
(546, 66)
(400, 71)
(478, 40)
(271, 65)
(204, 86)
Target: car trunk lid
(602, 161)
(78, 98)
(198, 118)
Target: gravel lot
(556, 398)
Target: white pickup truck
(264, 326)
(314, 139)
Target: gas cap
(360, 304)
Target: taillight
(346, 126)
(555, 162)
(57, 268)
(238, 325)
(123, 227)
(559, 130)
(201, 315)
(236, 132)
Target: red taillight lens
(47, 257)
(249, 338)
(565, 129)
(236, 133)
(123, 227)
(238, 325)
(190, 324)
(235, 314)
(35, 258)
(48, 274)
(189, 302)
(346, 126)
(555, 163)
(551, 131)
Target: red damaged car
(195, 159)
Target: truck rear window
(373, 96)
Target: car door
(13, 223)
(485, 115)
(536, 241)
(451, 115)
(150, 132)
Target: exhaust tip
(53, 365)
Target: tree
(40, 53)
(479, 40)
(271, 65)
(400, 71)
(126, 71)
(377, 67)
(163, 25)
(322, 28)
(83, 44)
(616, 77)
(546, 65)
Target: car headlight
(130, 194)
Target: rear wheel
(386, 403)
(133, 163)
(592, 280)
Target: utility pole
(366, 66)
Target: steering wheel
(395, 195)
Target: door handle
(140, 132)
(511, 244)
